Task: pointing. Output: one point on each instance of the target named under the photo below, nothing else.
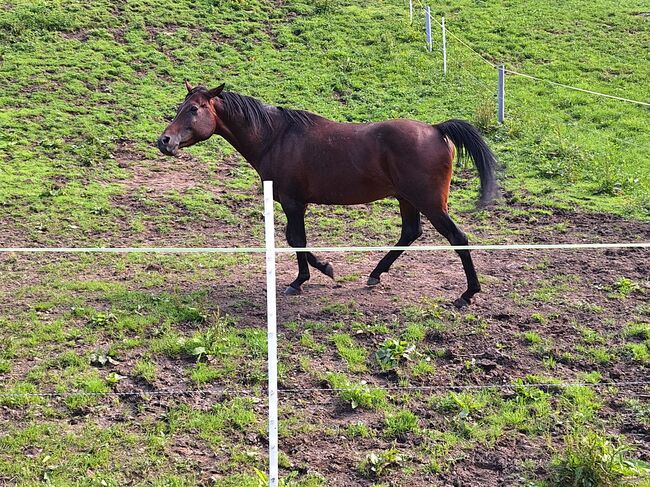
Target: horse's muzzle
(167, 145)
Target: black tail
(468, 142)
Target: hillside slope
(86, 86)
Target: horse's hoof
(373, 281)
(460, 303)
(292, 291)
(329, 270)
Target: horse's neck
(250, 144)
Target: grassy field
(86, 88)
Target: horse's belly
(349, 193)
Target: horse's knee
(295, 241)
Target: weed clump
(591, 460)
(376, 464)
(392, 352)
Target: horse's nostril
(165, 139)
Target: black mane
(257, 114)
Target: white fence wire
(287, 250)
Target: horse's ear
(214, 92)
(188, 86)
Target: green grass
(358, 429)
(638, 330)
(236, 415)
(596, 354)
(639, 352)
(307, 340)
(356, 394)
(356, 357)
(400, 423)
(146, 369)
(67, 456)
(540, 346)
(455, 426)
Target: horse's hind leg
(296, 237)
(325, 267)
(447, 228)
(411, 231)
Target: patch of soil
(79, 35)
(166, 175)
(118, 34)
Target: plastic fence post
(272, 335)
(444, 48)
(427, 20)
(501, 94)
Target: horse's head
(196, 120)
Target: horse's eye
(194, 109)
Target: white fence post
(501, 94)
(444, 47)
(272, 335)
(411, 10)
(427, 21)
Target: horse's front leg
(296, 237)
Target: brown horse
(311, 159)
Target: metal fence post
(272, 335)
(427, 21)
(501, 94)
(444, 47)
